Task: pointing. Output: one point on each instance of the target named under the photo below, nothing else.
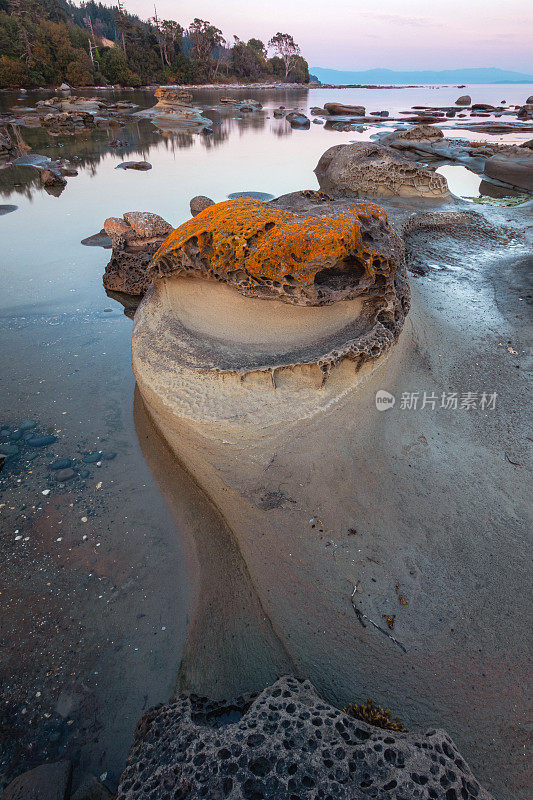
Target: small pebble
(90, 458)
(46, 492)
(84, 473)
(27, 425)
(61, 463)
(65, 474)
(84, 519)
(41, 441)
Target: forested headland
(48, 42)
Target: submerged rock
(370, 170)
(286, 742)
(134, 239)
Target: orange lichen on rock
(247, 240)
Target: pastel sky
(357, 34)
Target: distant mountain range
(390, 76)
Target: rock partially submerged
(141, 166)
(286, 742)
(134, 239)
(298, 120)
(199, 203)
(464, 100)
(171, 112)
(370, 170)
(338, 109)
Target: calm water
(83, 613)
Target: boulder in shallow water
(199, 203)
(134, 239)
(419, 133)
(298, 120)
(336, 109)
(370, 170)
(286, 742)
(464, 100)
(142, 166)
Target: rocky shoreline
(264, 331)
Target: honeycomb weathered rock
(322, 253)
(371, 170)
(288, 744)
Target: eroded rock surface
(134, 239)
(370, 170)
(318, 255)
(287, 743)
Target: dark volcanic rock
(47, 782)
(135, 239)
(286, 743)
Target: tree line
(48, 42)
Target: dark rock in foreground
(47, 782)
(286, 743)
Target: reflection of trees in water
(136, 138)
(19, 181)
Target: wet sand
(425, 510)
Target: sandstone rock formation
(370, 170)
(171, 112)
(285, 743)
(319, 255)
(420, 133)
(513, 166)
(336, 109)
(134, 239)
